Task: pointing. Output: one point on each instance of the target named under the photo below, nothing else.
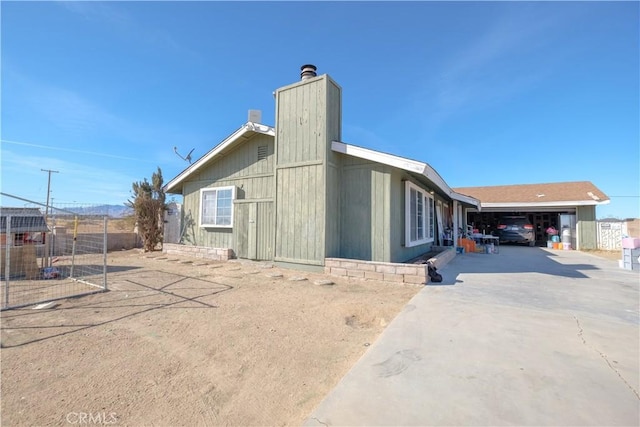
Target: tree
(149, 205)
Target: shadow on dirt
(143, 292)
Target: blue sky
(488, 93)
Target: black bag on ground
(434, 276)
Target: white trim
(378, 157)
(216, 189)
(427, 205)
(430, 218)
(466, 199)
(247, 128)
(405, 164)
(536, 204)
(456, 221)
(440, 221)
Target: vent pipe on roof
(308, 71)
(255, 116)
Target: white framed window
(431, 219)
(419, 215)
(216, 207)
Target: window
(18, 239)
(216, 207)
(32, 238)
(431, 219)
(419, 216)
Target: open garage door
(486, 221)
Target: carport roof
(578, 193)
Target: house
(22, 232)
(26, 226)
(296, 194)
(559, 204)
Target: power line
(71, 150)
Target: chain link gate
(48, 254)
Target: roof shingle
(537, 193)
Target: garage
(569, 207)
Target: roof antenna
(187, 158)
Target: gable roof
(403, 163)
(249, 129)
(578, 193)
(245, 132)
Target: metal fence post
(7, 264)
(104, 253)
(73, 246)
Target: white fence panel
(610, 235)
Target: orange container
(555, 245)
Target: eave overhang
(408, 165)
(247, 130)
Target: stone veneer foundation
(413, 273)
(217, 254)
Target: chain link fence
(48, 253)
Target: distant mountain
(112, 211)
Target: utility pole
(48, 189)
(45, 261)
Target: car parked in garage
(516, 229)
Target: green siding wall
(241, 162)
(300, 215)
(253, 230)
(366, 211)
(373, 212)
(334, 211)
(241, 216)
(381, 213)
(333, 171)
(300, 122)
(587, 227)
(399, 252)
(252, 178)
(193, 233)
(265, 230)
(356, 215)
(307, 119)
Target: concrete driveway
(529, 336)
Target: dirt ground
(613, 255)
(177, 341)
